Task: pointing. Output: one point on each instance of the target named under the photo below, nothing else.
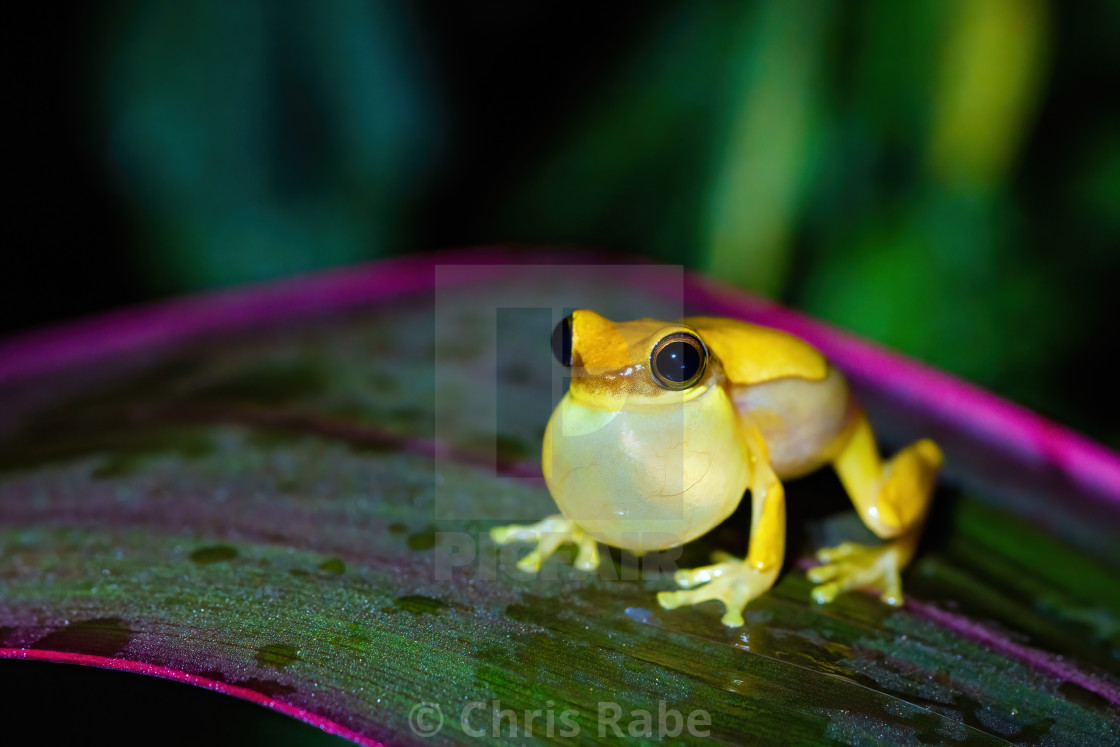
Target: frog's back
(752, 354)
(784, 387)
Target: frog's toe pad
(851, 566)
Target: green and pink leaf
(283, 493)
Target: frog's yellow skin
(644, 467)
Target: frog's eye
(678, 360)
(562, 341)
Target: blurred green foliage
(942, 176)
(257, 139)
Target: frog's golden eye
(678, 360)
(562, 341)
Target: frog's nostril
(562, 341)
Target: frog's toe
(587, 558)
(531, 563)
(546, 546)
(850, 566)
(516, 533)
(831, 554)
(705, 574)
(510, 533)
(670, 600)
(733, 617)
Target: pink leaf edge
(177, 675)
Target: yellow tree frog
(666, 425)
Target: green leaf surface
(298, 507)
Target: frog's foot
(851, 566)
(729, 580)
(549, 534)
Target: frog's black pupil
(562, 341)
(678, 361)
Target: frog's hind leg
(732, 581)
(892, 499)
(549, 534)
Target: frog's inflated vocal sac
(667, 424)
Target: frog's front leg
(892, 499)
(549, 534)
(730, 580)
